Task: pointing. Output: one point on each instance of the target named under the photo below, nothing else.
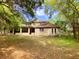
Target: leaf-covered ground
(22, 47)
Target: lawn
(23, 47)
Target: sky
(39, 13)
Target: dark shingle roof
(42, 24)
(47, 25)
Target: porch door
(32, 30)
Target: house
(37, 28)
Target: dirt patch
(13, 53)
(18, 54)
(35, 48)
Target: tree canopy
(9, 18)
(69, 8)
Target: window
(17, 30)
(32, 30)
(24, 29)
(52, 30)
(41, 29)
(55, 30)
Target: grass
(13, 46)
(63, 41)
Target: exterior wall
(54, 31)
(57, 30)
(46, 32)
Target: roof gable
(41, 24)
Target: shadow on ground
(18, 47)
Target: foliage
(29, 4)
(7, 18)
(70, 8)
(50, 2)
(60, 20)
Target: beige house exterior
(37, 28)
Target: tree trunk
(74, 31)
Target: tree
(29, 4)
(9, 18)
(70, 8)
